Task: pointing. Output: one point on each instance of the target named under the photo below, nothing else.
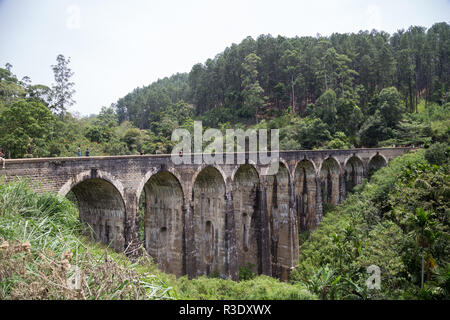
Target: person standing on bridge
(79, 150)
(87, 152)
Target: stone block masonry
(203, 219)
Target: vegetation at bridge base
(363, 89)
(41, 246)
(392, 221)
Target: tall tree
(291, 61)
(252, 92)
(62, 89)
(25, 127)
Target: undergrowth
(43, 256)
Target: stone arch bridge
(200, 219)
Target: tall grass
(41, 250)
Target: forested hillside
(345, 90)
(295, 72)
(352, 87)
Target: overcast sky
(116, 46)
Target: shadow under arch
(246, 204)
(101, 206)
(305, 190)
(376, 162)
(353, 172)
(163, 231)
(208, 195)
(201, 168)
(329, 176)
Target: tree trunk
(293, 96)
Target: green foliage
(339, 141)
(258, 288)
(246, 273)
(324, 283)
(390, 107)
(62, 90)
(345, 80)
(40, 240)
(25, 128)
(252, 98)
(438, 153)
(325, 107)
(399, 222)
(349, 116)
(380, 126)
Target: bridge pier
(230, 236)
(131, 226)
(319, 204)
(264, 234)
(190, 252)
(342, 189)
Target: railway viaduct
(202, 219)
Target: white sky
(116, 46)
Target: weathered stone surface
(202, 219)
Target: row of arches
(280, 203)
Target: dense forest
(350, 88)
(345, 90)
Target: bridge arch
(164, 221)
(101, 206)
(353, 172)
(251, 164)
(305, 190)
(154, 171)
(208, 199)
(376, 162)
(246, 185)
(329, 176)
(206, 166)
(90, 174)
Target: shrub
(258, 288)
(437, 153)
(245, 273)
